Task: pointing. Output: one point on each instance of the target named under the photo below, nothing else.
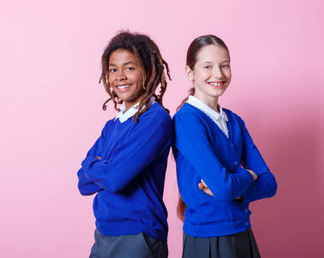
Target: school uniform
(128, 182)
(216, 148)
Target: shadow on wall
(291, 223)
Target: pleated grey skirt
(241, 245)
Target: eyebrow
(127, 63)
(209, 62)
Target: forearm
(109, 176)
(225, 185)
(116, 174)
(202, 186)
(131, 156)
(264, 187)
(236, 184)
(86, 186)
(193, 142)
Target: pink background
(51, 112)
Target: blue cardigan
(202, 151)
(129, 179)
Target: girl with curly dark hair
(126, 166)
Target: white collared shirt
(220, 119)
(131, 112)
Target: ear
(189, 73)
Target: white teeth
(216, 84)
(122, 87)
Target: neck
(212, 102)
(128, 106)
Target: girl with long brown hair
(219, 169)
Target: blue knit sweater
(202, 151)
(129, 179)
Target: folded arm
(148, 140)
(85, 185)
(266, 185)
(192, 141)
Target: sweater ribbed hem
(217, 229)
(131, 228)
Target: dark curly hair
(151, 64)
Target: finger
(201, 186)
(203, 182)
(207, 191)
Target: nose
(217, 73)
(120, 75)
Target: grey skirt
(240, 245)
(128, 246)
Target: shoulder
(156, 113)
(109, 123)
(189, 113)
(107, 127)
(231, 114)
(188, 110)
(189, 118)
(233, 117)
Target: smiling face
(125, 77)
(211, 74)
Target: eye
(130, 68)
(113, 70)
(207, 67)
(225, 66)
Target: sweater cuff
(246, 198)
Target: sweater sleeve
(266, 185)
(85, 185)
(191, 139)
(148, 140)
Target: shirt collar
(131, 112)
(206, 109)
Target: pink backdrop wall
(51, 112)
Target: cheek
(228, 74)
(110, 80)
(199, 75)
(138, 78)
(138, 81)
